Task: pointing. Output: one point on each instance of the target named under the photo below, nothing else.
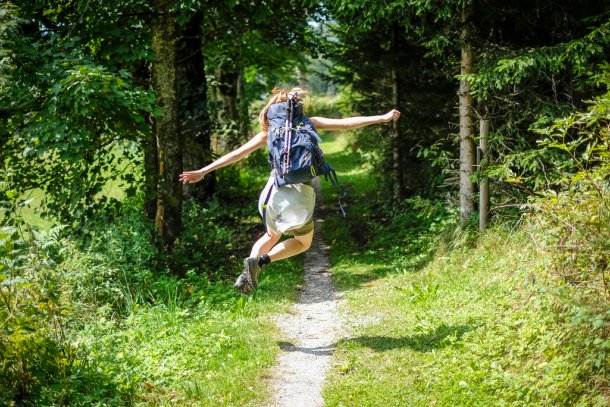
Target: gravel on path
(311, 331)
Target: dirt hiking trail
(310, 331)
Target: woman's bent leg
(291, 247)
(264, 244)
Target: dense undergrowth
(439, 314)
(104, 318)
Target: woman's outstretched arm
(256, 142)
(348, 123)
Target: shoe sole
(251, 264)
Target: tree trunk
(233, 110)
(168, 221)
(484, 183)
(242, 108)
(225, 94)
(151, 171)
(195, 125)
(467, 150)
(302, 83)
(142, 78)
(399, 191)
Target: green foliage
(10, 198)
(573, 152)
(380, 61)
(576, 221)
(68, 109)
(524, 83)
(579, 237)
(70, 145)
(583, 139)
(215, 239)
(246, 55)
(40, 363)
(115, 266)
(9, 24)
(581, 56)
(531, 67)
(99, 319)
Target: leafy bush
(216, 238)
(578, 216)
(576, 224)
(40, 363)
(578, 235)
(114, 264)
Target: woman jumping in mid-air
(288, 208)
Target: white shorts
(289, 208)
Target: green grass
(162, 341)
(216, 353)
(469, 325)
(473, 322)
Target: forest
(476, 239)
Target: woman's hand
(190, 177)
(392, 115)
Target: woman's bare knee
(265, 243)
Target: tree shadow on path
(326, 350)
(443, 336)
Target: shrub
(578, 217)
(575, 218)
(113, 264)
(40, 364)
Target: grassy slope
(213, 352)
(472, 327)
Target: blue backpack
(292, 139)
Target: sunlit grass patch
(430, 323)
(185, 355)
(216, 352)
(31, 213)
(463, 320)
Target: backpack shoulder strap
(264, 206)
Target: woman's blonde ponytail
(280, 95)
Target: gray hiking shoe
(248, 279)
